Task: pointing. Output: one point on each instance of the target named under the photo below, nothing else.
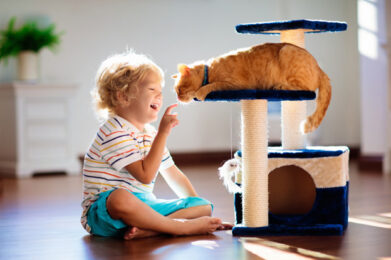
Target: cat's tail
(322, 103)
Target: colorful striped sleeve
(119, 149)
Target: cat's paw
(201, 95)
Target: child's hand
(168, 120)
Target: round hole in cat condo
(292, 191)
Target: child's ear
(183, 69)
(121, 97)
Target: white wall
(387, 155)
(175, 31)
(373, 77)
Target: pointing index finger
(170, 108)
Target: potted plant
(25, 43)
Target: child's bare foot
(134, 232)
(198, 226)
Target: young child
(123, 160)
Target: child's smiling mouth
(155, 106)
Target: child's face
(148, 101)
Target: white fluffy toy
(231, 168)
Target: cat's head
(187, 82)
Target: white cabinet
(37, 129)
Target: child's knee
(119, 202)
(202, 206)
(206, 210)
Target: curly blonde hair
(121, 72)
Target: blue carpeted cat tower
(294, 189)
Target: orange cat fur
(280, 66)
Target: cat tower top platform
(251, 94)
(307, 26)
(291, 32)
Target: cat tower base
(287, 230)
(327, 214)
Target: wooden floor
(39, 219)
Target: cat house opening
(291, 191)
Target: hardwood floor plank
(39, 219)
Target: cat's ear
(183, 69)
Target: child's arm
(178, 182)
(145, 170)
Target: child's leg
(188, 213)
(125, 206)
(192, 212)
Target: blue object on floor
(283, 230)
(328, 215)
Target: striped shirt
(117, 144)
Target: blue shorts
(102, 224)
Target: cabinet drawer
(46, 131)
(47, 151)
(36, 109)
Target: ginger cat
(279, 66)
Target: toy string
(230, 108)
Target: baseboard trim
(372, 163)
(219, 157)
(354, 153)
(201, 158)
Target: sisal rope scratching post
(255, 163)
(293, 112)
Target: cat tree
(327, 166)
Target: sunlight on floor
(209, 244)
(273, 250)
(381, 220)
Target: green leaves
(28, 37)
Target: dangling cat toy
(230, 169)
(279, 66)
